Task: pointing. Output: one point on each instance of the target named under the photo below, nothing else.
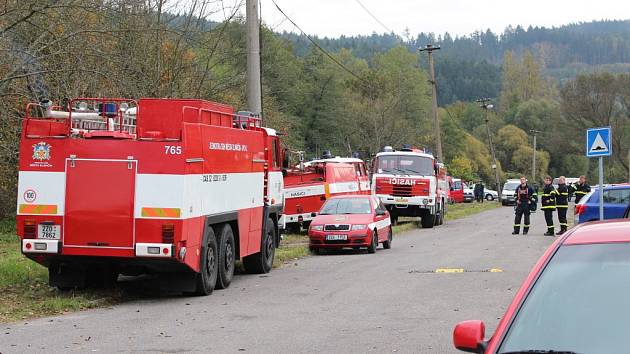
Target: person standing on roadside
(524, 195)
(562, 204)
(548, 204)
(579, 189)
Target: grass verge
(24, 285)
(462, 210)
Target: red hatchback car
(575, 300)
(351, 221)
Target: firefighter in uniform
(524, 196)
(548, 204)
(562, 204)
(579, 189)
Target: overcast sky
(333, 18)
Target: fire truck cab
(411, 183)
(309, 186)
(172, 186)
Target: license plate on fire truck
(402, 200)
(49, 232)
(336, 237)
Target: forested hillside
(379, 96)
(468, 66)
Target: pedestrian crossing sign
(598, 142)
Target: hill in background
(469, 67)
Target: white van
(507, 194)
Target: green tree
(463, 168)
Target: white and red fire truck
(309, 186)
(172, 186)
(411, 183)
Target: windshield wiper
(540, 351)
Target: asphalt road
(338, 303)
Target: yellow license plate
(402, 200)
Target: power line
(364, 81)
(374, 17)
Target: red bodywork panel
(403, 186)
(99, 206)
(609, 231)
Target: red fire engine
(411, 183)
(173, 186)
(309, 186)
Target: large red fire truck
(307, 187)
(411, 183)
(172, 186)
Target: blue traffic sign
(598, 142)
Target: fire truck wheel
(428, 221)
(207, 277)
(387, 244)
(226, 257)
(372, 247)
(261, 262)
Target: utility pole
(534, 157)
(485, 104)
(628, 165)
(436, 122)
(254, 100)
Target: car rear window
(347, 206)
(578, 304)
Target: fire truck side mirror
(313, 214)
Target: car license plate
(402, 200)
(336, 237)
(49, 232)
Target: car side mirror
(469, 336)
(313, 214)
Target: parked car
(490, 195)
(469, 195)
(356, 221)
(626, 215)
(457, 188)
(616, 199)
(575, 299)
(507, 194)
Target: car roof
(609, 231)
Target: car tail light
(168, 233)
(30, 229)
(580, 209)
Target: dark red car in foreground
(575, 300)
(354, 221)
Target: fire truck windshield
(405, 164)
